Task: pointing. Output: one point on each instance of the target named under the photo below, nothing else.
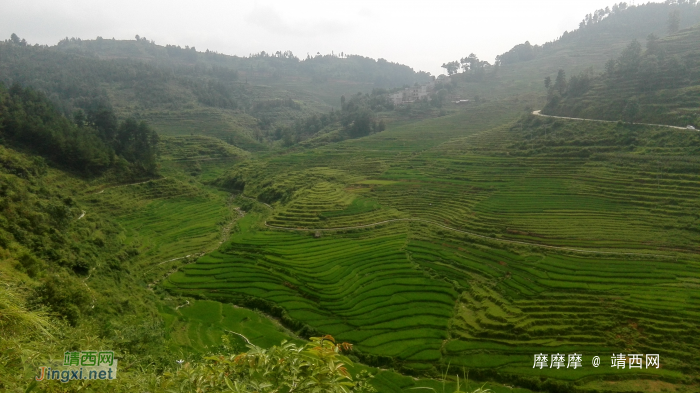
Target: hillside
(523, 69)
(445, 241)
(182, 91)
(92, 276)
(511, 225)
(659, 85)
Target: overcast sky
(421, 34)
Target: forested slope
(601, 36)
(659, 84)
(180, 91)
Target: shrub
(318, 366)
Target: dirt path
(468, 233)
(537, 113)
(225, 233)
(130, 184)
(255, 200)
(238, 334)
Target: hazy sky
(421, 34)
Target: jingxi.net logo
(86, 365)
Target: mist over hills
(658, 85)
(524, 67)
(229, 97)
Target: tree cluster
(648, 70)
(576, 86)
(635, 86)
(600, 14)
(91, 143)
(621, 19)
(469, 65)
(355, 119)
(519, 53)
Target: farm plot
(517, 303)
(498, 183)
(386, 288)
(199, 326)
(165, 218)
(327, 205)
(177, 227)
(359, 287)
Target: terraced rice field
(420, 297)
(358, 287)
(616, 200)
(328, 205)
(441, 297)
(515, 304)
(206, 121)
(199, 326)
(166, 218)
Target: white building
(412, 94)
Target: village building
(412, 94)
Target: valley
(201, 207)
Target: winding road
(537, 113)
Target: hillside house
(412, 94)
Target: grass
(199, 326)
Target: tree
(470, 63)
(360, 123)
(610, 67)
(137, 143)
(451, 67)
(674, 22)
(629, 61)
(653, 45)
(648, 76)
(579, 84)
(631, 110)
(560, 82)
(103, 119)
(547, 82)
(79, 118)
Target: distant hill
(262, 66)
(181, 91)
(609, 26)
(659, 84)
(523, 69)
